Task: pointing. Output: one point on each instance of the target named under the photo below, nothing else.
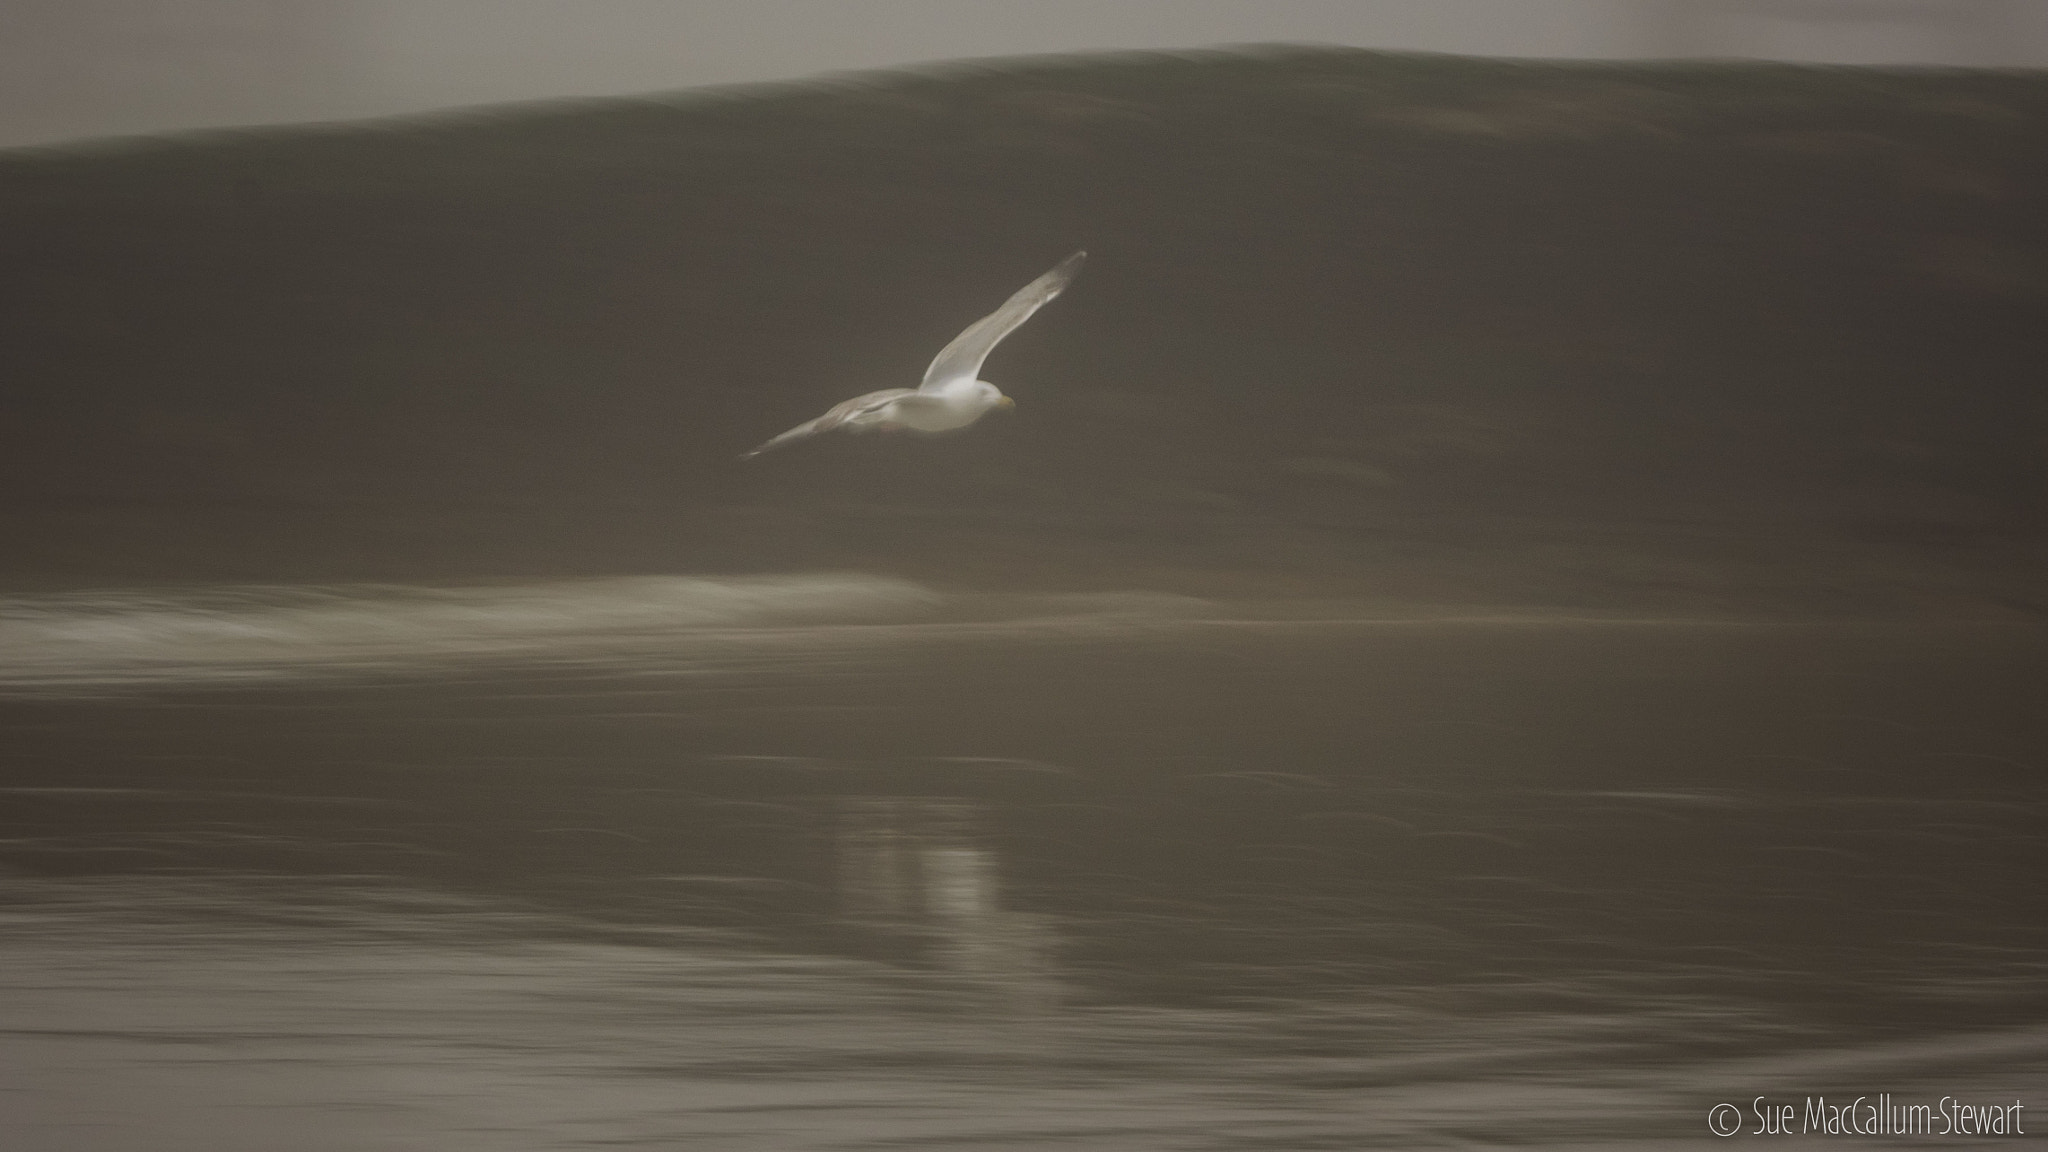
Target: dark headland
(1425, 328)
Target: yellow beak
(1006, 402)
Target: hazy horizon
(81, 69)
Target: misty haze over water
(1509, 609)
(77, 69)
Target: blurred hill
(1423, 327)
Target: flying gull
(950, 397)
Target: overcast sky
(83, 68)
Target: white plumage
(951, 397)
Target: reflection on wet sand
(917, 880)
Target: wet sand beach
(1123, 878)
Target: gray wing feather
(961, 360)
(839, 414)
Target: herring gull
(950, 397)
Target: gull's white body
(950, 397)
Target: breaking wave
(165, 636)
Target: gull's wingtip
(1064, 272)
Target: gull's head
(989, 396)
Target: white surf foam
(136, 635)
(167, 636)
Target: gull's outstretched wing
(961, 360)
(840, 414)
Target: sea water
(838, 861)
